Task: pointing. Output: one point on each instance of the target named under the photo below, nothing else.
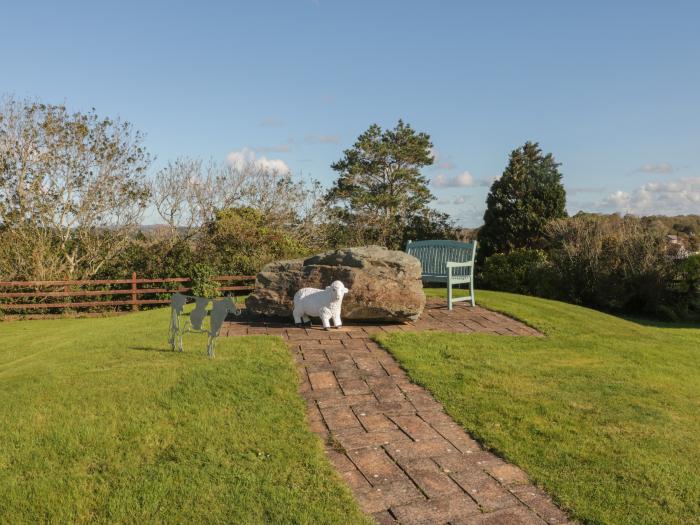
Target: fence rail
(41, 294)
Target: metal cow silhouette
(194, 323)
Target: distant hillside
(685, 227)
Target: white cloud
(462, 180)
(663, 167)
(246, 158)
(670, 198)
(460, 200)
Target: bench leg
(449, 291)
(471, 290)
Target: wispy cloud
(271, 122)
(284, 147)
(662, 167)
(487, 182)
(323, 139)
(584, 189)
(460, 200)
(440, 161)
(669, 198)
(246, 157)
(461, 180)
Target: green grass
(99, 423)
(603, 412)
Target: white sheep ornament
(319, 303)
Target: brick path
(405, 459)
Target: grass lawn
(603, 412)
(99, 424)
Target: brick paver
(405, 459)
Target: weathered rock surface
(385, 285)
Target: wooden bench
(449, 262)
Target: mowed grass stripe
(602, 412)
(101, 423)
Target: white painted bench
(449, 262)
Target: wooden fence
(32, 296)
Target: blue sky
(611, 88)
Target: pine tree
(380, 189)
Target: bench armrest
(459, 264)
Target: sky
(611, 89)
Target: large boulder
(385, 285)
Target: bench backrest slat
(434, 255)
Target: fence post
(134, 294)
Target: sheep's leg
(297, 317)
(336, 321)
(325, 318)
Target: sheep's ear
(328, 287)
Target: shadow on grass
(657, 323)
(151, 349)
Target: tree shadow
(657, 323)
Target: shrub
(203, 283)
(521, 271)
(240, 241)
(686, 288)
(612, 263)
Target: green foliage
(686, 288)
(523, 271)
(527, 196)
(601, 412)
(101, 423)
(610, 262)
(239, 241)
(429, 224)
(380, 189)
(203, 283)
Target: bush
(203, 283)
(610, 263)
(686, 288)
(241, 240)
(521, 271)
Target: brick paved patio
(405, 459)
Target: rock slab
(385, 285)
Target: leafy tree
(430, 224)
(380, 189)
(522, 202)
(72, 190)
